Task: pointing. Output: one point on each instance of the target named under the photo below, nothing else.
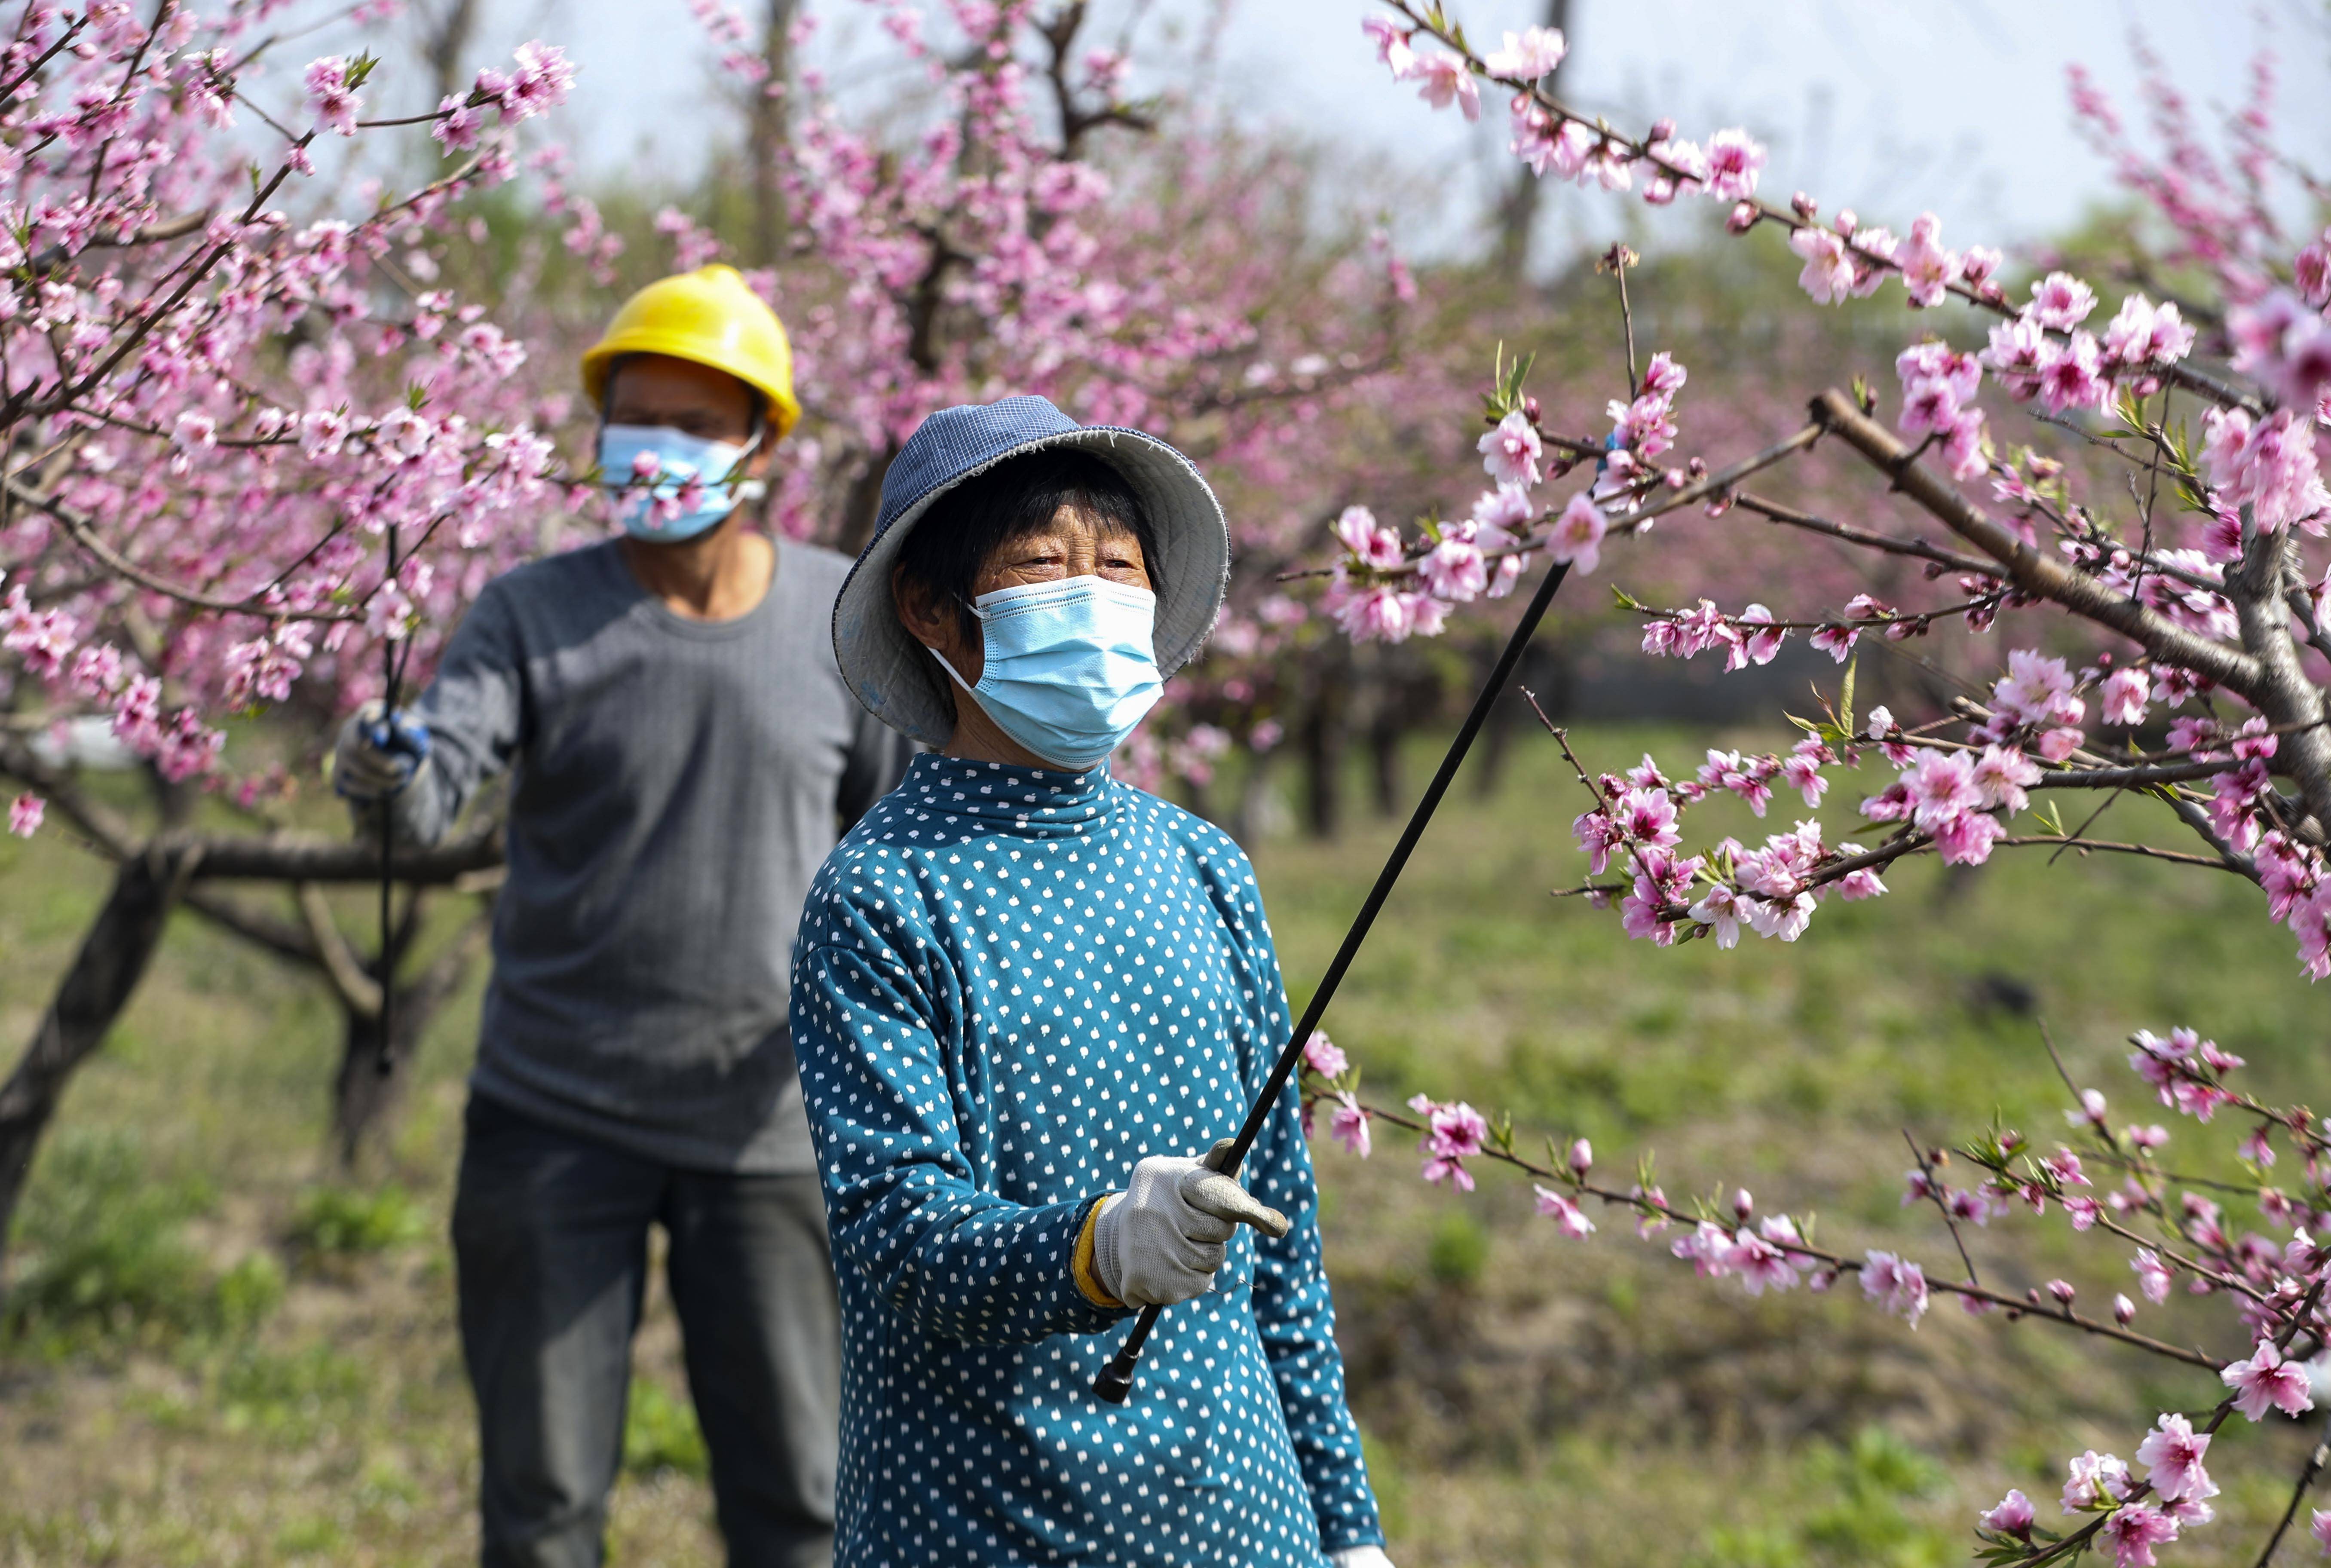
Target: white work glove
(374, 758)
(1161, 1242)
(1360, 1557)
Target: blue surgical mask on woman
(679, 457)
(1070, 668)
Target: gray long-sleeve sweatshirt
(676, 784)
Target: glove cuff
(1094, 1263)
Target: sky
(1957, 106)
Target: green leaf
(1520, 373)
(1625, 599)
(1845, 696)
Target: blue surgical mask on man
(1070, 668)
(679, 457)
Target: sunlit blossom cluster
(2202, 689)
(226, 399)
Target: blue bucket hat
(893, 675)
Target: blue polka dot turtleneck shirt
(1009, 986)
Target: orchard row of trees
(287, 356)
(285, 373)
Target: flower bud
(1582, 1158)
(2124, 1311)
(1845, 223)
(1662, 130)
(1803, 205)
(1530, 409)
(1741, 219)
(1743, 1205)
(2061, 1289)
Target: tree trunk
(104, 976)
(444, 40)
(1250, 824)
(862, 506)
(1518, 212)
(1385, 730)
(1544, 671)
(1325, 739)
(365, 1099)
(768, 126)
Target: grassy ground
(223, 1354)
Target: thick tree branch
(359, 991)
(111, 832)
(83, 532)
(264, 930)
(2283, 692)
(2036, 573)
(289, 859)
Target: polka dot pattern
(1010, 985)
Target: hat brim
(896, 678)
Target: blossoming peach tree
(249, 445)
(1029, 222)
(260, 454)
(2196, 575)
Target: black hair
(1012, 500)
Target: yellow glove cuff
(1081, 1261)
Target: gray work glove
(1360, 1557)
(1161, 1242)
(376, 757)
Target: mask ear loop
(942, 657)
(948, 668)
(748, 489)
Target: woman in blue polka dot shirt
(1024, 994)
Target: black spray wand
(391, 679)
(1116, 1380)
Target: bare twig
(1935, 1193)
(2319, 1456)
(2022, 1307)
(1864, 538)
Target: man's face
(654, 389)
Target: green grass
(220, 1349)
(336, 1222)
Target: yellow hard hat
(711, 316)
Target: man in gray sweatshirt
(683, 753)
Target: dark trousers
(550, 1242)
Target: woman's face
(1074, 543)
